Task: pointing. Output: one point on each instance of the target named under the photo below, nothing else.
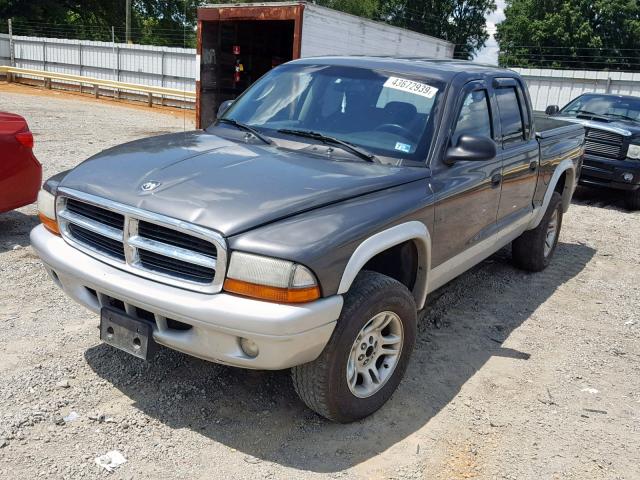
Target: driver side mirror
(552, 109)
(224, 106)
(471, 148)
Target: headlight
(270, 279)
(47, 211)
(634, 152)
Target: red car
(20, 172)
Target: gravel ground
(515, 376)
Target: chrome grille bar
(604, 135)
(171, 251)
(603, 148)
(173, 261)
(606, 144)
(89, 224)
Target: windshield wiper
(246, 128)
(617, 115)
(586, 112)
(360, 152)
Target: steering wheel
(395, 128)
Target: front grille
(603, 149)
(604, 143)
(112, 219)
(97, 242)
(178, 268)
(144, 243)
(171, 237)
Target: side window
(474, 117)
(525, 112)
(510, 114)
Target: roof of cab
(441, 69)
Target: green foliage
(163, 22)
(362, 8)
(157, 22)
(577, 34)
(461, 22)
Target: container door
(235, 53)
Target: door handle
(533, 165)
(496, 179)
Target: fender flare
(569, 167)
(381, 241)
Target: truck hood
(224, 185)
(622, 127)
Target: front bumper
(609, 172)
(287, 335)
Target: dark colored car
(306, 226)
(20, 172)
(612, 156)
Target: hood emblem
(149, 186)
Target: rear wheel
(632, 199)
(367, 354)
(534, 249)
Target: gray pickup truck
(305, 228)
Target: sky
(489, 54)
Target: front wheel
(368, 352)
(534, 249)
(632, 199)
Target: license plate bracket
(132, 335)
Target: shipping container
(238, 43)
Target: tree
(362, 8)
(462, 22)
(576, 34)
(163, 22)
(159, 22)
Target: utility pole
(113, 51)
(128, 22)
(12, 53)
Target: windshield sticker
(410, 86)
(403, 147)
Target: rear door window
(511, 118)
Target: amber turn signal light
(49, 224)
(272, 294)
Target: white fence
(142, 64)
(558, 87)
(176, 68)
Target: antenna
(184, 86)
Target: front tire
(534, 249)
(367, 355)
(632, 199)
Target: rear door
(468, 192)
(520, 151)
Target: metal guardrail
(98, 83)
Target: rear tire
(339, 384)
(533, 250)
(632, 199)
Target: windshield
(619, 108)
(385, 113)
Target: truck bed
(547, 127)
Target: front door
(468, 192)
